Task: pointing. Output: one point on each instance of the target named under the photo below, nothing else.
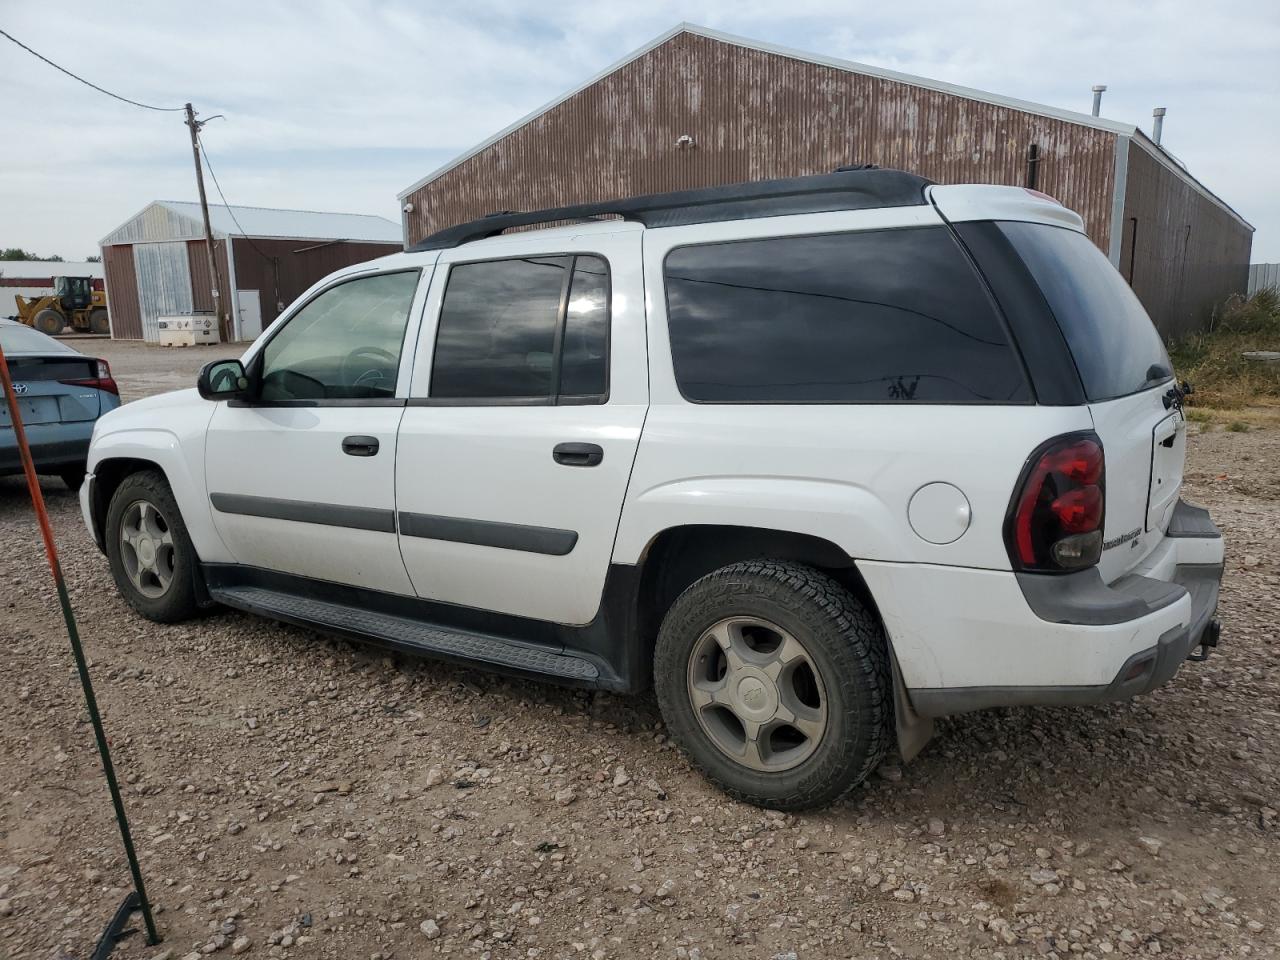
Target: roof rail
(843, 190)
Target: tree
(17, 253)
(94, 259)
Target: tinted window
(1115, 345)
(584, 363)
(892, 316)
(19, 338)
(344, 344)
(502, 322)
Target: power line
(214, 177)
(145, 106)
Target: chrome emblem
(19, 388)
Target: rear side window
(530, 328)
(1114, 343)
(885, 316)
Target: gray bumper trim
(1082, 598)
(1141, 673)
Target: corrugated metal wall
(755, 115)
(1263, 275)
(164, 283)
(156, 222)
(1181, 252)
(280, 270)
(202, 283)
(122, 293)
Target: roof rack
(846, 189)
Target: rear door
(527, 401)
(1127, 378)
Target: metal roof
(48, 269)
(176, 220)
(970, 93)
(1026, 106)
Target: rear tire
(49, 322)
(754, 646)
(151, 557)
(99, 322)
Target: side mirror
(222, 380)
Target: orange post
(138, 899)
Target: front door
(301, 478)
(522, 425)
(249, 309)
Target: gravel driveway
(297, 796)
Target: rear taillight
(1055, 517)
(103, 381)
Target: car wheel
(151, 557)
(99, 322)
(49, 322)
(775, 681)
(73, 476)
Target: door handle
(578, 454)
(360, 446)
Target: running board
(412, 635)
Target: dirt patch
(324, 800)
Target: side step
(414, 636)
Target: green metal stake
(46, 531)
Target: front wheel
(49, 322)
(151, 557)
(775, 681)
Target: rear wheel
(774, 680)
(49, 322)
(98, 321)
(152, 560)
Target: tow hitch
(1208, 641)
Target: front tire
(49, 322)
(151, 557)
(775, 681)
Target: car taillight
(103, 381)
(1055, 517)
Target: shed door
(164, 283)
(249, 306)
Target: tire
(163, 591)
(49, 322)
(838, 687)
(73, 476)
(99, 322)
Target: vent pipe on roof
(1098, 90)
(1157, 124)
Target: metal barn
(697, 108)
(156, 264)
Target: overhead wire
(88, 83)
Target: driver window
(345, 344)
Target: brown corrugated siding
(280, 270)
(122, 292)
(1183, 254)
(202, 284)
(756, 115)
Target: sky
(341, 105)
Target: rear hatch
(53, 389)
(1127, 379)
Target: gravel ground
(297, 796)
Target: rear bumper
(53, 446)
(990, 639)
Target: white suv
(820, 459)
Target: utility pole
(194, 127)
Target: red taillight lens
(1055, 518)
(103, 381)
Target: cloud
(340, 105)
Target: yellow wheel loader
(73, 303)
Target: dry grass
(1214, 360)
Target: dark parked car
(61, 393)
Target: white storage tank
(188, 330)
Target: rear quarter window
(1116, 347)
(886, 316)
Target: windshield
(16, 338)
(1114, 343)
